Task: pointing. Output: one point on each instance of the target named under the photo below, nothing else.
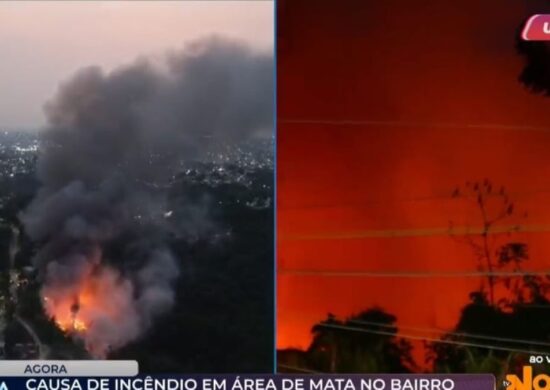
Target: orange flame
(72, 309)
(76, 325)
(99, 295)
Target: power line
(293, 368)
(415, 337)
(459, 334)
(431, 339)
(424, 198)
(531, 305)
(392, 123)
(408, 274)
(424, 232)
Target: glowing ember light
(98, 299)
(79, 326)
(66, 312)
(75, 325)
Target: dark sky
(376, 197)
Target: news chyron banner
(123, 375)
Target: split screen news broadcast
(275, 195)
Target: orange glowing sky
(360, 196)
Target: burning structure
(113, 140)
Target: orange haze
(79, 308)
(376, 197)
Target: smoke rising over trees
(112, 141)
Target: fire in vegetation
(91, 306)
(113, 141)
(71, 325)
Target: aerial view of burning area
(136, 180)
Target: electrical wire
(393, 123)
(434, 340)
(458, 334)
(424, 232)
(293, 368)
(408, 274)
(425, 198)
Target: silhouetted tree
(498, 217)
(366, 342)
(496, 331)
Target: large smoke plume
(111, 139)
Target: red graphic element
(537, 28)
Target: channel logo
(539, 382)
(537, 28)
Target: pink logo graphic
(537, 28)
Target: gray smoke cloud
(111, 138)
